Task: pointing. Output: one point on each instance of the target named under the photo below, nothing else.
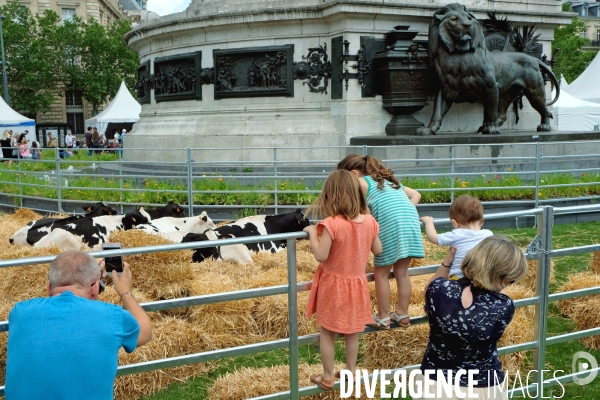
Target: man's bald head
(73, 267)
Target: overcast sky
(164, 7)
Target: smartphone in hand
(113, 263)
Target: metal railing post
(544, 234)
(538, 154)
(293, 318)
(20, 179)
(58, 187)
(120, 180)
(452, 156)
(190, 183)
(276, 196)
(365, 150)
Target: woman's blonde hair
(5, 135)
(494, 263)
(341, 195)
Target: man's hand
(122, 283)
(102, 266)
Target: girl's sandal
(380, 323)
(320, 381)
(394, 317)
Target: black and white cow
(36, 230)
(233, 252)
(265, 225)
(197, 224)
(95, 231)
(172, 209)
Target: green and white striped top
(399, 228)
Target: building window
(68, 14)
(598, 35)
(74, 105)
(583, 34)
(584, 11)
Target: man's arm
(122, 284)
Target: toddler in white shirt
(466, 214)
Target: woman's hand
(449, 256)
(444, 268)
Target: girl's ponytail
(380, 173)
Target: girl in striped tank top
(394, 207)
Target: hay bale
(520, 329)
(530, 278)
(595, 262)
(231, 320)
(253, 382)
(584, 311)
(171, 337)
(577, 281)
(165, 275)
(272, 319)
(397, 347)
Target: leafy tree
(103, 60)
(48, 57)
(34, 57)
(566, 47)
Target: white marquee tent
(563, 83)
(573, 114)
(124, 108)
(587, 85)
(10, 119)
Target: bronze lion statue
(468, 72)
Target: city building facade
(590, 12)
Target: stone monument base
(517, 150)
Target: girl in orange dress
(340, 292)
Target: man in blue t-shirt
(65, 346)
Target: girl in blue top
(394, 207)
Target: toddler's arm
(430, 231)
(376, 246)
(320, 248)
(413, 195)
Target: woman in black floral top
(467, 317)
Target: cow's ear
(204, 218)
(133, 219)
(88, 208)
(178, 209)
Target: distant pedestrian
(88, 140)
(24, 149)
(69, 139)
(36, 152)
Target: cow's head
(175, 208)
(301, 221)
(99, 209)
(204, 217)
(132, 219)
(145, 214)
